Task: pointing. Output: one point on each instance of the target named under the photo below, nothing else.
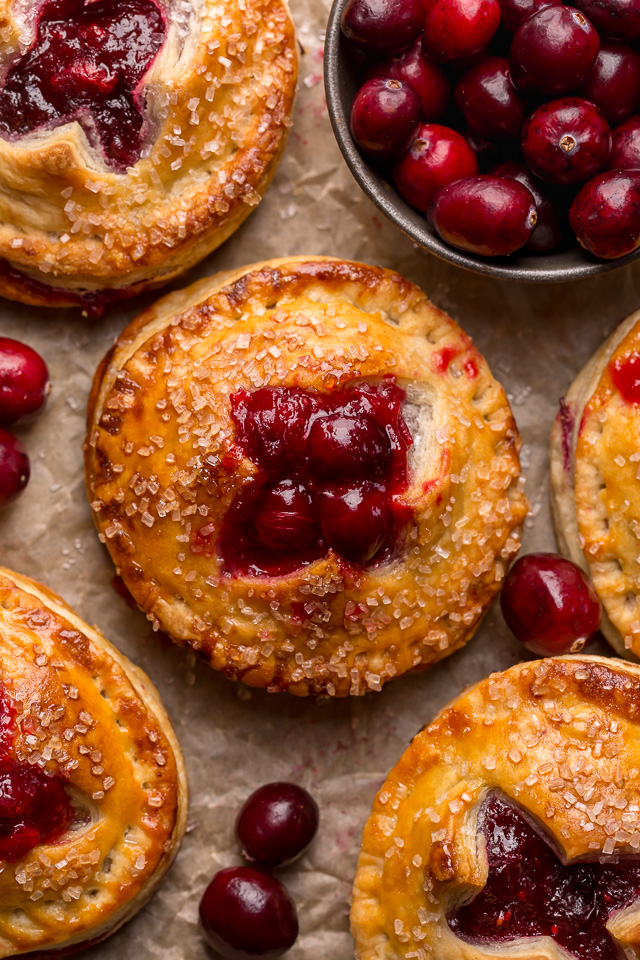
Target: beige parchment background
(536, 338)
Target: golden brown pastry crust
(219, 101)
(595, 495)
(100, 721)
(560, 737)
(161, 464)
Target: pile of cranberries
(24, 386)
(510, 123)
(245, 912)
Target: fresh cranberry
(284, 518)
(355, 519)
(246, 914)
(566, 141)
(614, 83)
(456, 29)
(276, 824)
(550, 604)
(491, 106)
(553, 52)
(24, 382)
(14, 468)
(613, 18)
(548, 232)
(515, 12)
(605, 216)
(384, 115)
(341, 447)
(383, 26)
(625, 151)
(437, 156)
(490, 216)
(428, 80)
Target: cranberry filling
(330, 467)
(86, 64)
(34, 807)
(625, 374)
(530, 893)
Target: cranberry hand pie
(595, 454)
(93, 793)
(135, 137)
(306, 473)
(511, 825)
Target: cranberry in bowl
(461, 95)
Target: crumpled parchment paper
(536, 338)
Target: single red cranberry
(428, 80)
(553, 52)
(383, 26)
(548, 231)
(276, 824)
(491, 106)
(355, 519)
(613, 18)
(341, 447)
(246, 914)
(550, 604)
(614, 83)
(14, 468)
(605, 216)
(384, 115)
(490, 216)
(24, 382)
(625, 151)
(566, 141)
(456, 29)
(437, 156)
(284, 519)
(515, 12)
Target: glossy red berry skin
(14, 468)
(457, 29)
(24, 382)
(625, 152)
(428, 80)
(613, 18)
(549, 230)
(384, 115)
(277, 824)
(246, 914)
(550, 604)
(489, 216)
(284, 520)
(355, 519)
(605, 215)
(437, 156)
(566, 141)
(614, 83)
(341, 447)
(383, 26)
(553, 52)
(491, 106)
(515, 12)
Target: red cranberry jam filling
(34, 807)
(625, 374)
(531, 893)
(330, 469)
(86, 64)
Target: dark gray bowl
(341, 84)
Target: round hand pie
(595, 466)
(511, 825)
(306, 473)
(135, 137)
(93, 793)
